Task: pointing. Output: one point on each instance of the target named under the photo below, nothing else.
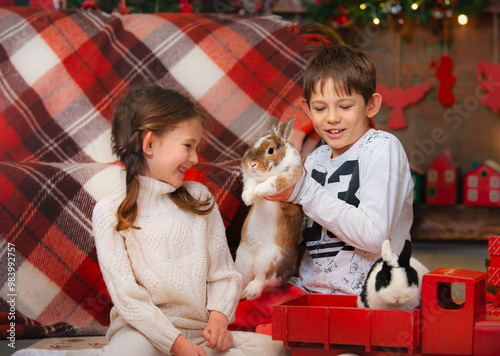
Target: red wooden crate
(336, 320)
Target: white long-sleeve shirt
(167, 276)
(353, 203)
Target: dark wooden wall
(468, 128)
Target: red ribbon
(495, 299)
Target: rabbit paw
(253, 290)
(248, 197)
(264, 189)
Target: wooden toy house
(482, 185)
(441, 182)
(418, 177)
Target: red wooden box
(336, 320)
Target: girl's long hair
(156, 109)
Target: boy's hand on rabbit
(184, 347)
(281, 196)
(216, 333)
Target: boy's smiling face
(340, 119)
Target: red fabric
(493, 304)
(42, 3)
(91, 60)
(266, 329)
(58, 288)
(251, 313)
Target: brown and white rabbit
(393, 282)
(267, 254)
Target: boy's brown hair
(350, 68)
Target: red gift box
(494, 276)
(494, 245)
(494, 261)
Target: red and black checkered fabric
(46, 227)
(62, 73)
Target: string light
(462, 19)
(384, 12)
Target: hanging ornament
(122, 8)
(488, 76)
(444, 70)
(90, 4)
(446, 80)
(398, 99)
(341, 20)
(186, 7)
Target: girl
(161, 242)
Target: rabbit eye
(270, 151)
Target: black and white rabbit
(267, 254)
(393, 282)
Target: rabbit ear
(386, 254)
(405, 255)
(285, 129)
(272, 125)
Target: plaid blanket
(62, 73)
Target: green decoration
(419, 11)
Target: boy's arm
(386, 187)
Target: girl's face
(171, 154)
(340, 119)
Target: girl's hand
(216, 333)
(184, 347)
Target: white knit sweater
(167, 276)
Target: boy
(357, 191)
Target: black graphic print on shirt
(345, 183)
